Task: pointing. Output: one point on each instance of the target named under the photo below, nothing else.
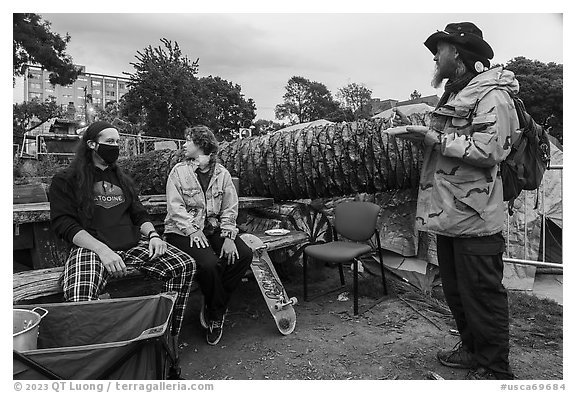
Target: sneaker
(203, 312)
(458, 357)
(481, 373)
(214, 332)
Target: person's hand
(156, 247)
(229, 251)
(112, 263)
(199, 240)
(398, 118)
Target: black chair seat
(337, 252)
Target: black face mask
(109, 153)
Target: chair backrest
(356, 220)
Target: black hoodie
(116, 218)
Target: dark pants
(471, 270)
(217, 280)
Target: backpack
(529, 157)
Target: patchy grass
(535, 322)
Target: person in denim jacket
(202, 207)
(460, 197)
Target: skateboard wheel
(294, 301)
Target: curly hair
(203, 137)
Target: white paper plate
(277, 232)
(397, 130)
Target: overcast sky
(260, 52)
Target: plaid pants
(85, 276)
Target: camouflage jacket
(188, 208)
(460, 185)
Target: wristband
(152, 234)
(226, 234)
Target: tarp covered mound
(300, 126)
(87, 340)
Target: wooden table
(155, 204)
(32, 230)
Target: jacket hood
(495, 78)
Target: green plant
(45, 166)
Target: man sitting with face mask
(94, 206)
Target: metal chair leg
(305, 268)
(385, 289)
(341, 270)
(355, 286)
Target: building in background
(79, 99)
(428, 100)
(78, 102)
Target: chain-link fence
(133, 145)
(36, 146)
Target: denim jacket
(188, 207)
(460, 191)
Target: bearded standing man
(461, 198)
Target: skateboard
(277, 300)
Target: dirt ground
(394, 337)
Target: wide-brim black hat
(463, 34)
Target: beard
(437, 78)
(444, 70)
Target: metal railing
(133, 145)
(525, 260)
(34, 146)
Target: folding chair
(125, 338)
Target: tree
(32, 114)
(356, 97)
(541, 89)
(112, 113)
(306, 101)
(161, 94)
(415, 95)
(263, 127)
(165, 96)
(322, 105)
(225, 108)
(295, 100)
(33, 42)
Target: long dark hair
(82, 171)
